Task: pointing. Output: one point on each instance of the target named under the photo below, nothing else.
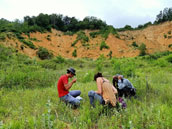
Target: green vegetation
(2, 36)
(81, 36)
(170, 45)
(29, 99)
(48, 37)
(169, 32)
(28, 43)
(104, 32)
(74, 53)
(134, 44)
(165, 36)
(43, 53)
(103, 45)
(163, 16)
(69, 33)
(44, 22)
(74, 43)
(142, 49)
(110, 55)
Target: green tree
(43, 20)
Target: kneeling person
(124, 86)
(105, 93)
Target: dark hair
(97, 75)
(115, 81)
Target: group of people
(106, 92)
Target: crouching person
(63, 86)
(124, 86)
(105, 93)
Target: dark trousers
(126, 92)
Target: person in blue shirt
(124, 86)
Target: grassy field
(29, 99)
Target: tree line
(44, 22)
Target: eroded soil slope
(156, 38)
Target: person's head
(71, 72)
(120, 77)
(115, 80)
(97, 75)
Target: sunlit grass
(29, 99)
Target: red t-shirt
(60, 85)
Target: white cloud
(114, 12)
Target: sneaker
(79, 98)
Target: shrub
(158, 55)
(81, 36)
(74, 43)
(18, 35)
(34, 39)
(59, 59)
(2, 36)
(110, 55)
(28, 43)
(103, 45)
(43, 53)
(165, 36)
(48, 64)
(5, 53)
(161, 62)
(10, 35)
(49, 37)
(74, 53)
(169, 58)
(142, 49)
(170, 45)
(93, 34)
(134, 44)
(69, 33)
(169, 37)
(117, 36)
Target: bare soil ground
(157, 38)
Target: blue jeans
(94, 96)
(70, 97)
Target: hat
(72, 70)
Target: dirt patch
(156, 38)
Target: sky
(114, 12)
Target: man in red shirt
(63, 87)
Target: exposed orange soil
(60, 44)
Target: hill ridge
(157, 38)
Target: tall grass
(29, 99)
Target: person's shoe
(79, 98)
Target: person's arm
(114, 90)
(69, 85)
(121, 85)
(99, 88)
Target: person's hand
(74, 80)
